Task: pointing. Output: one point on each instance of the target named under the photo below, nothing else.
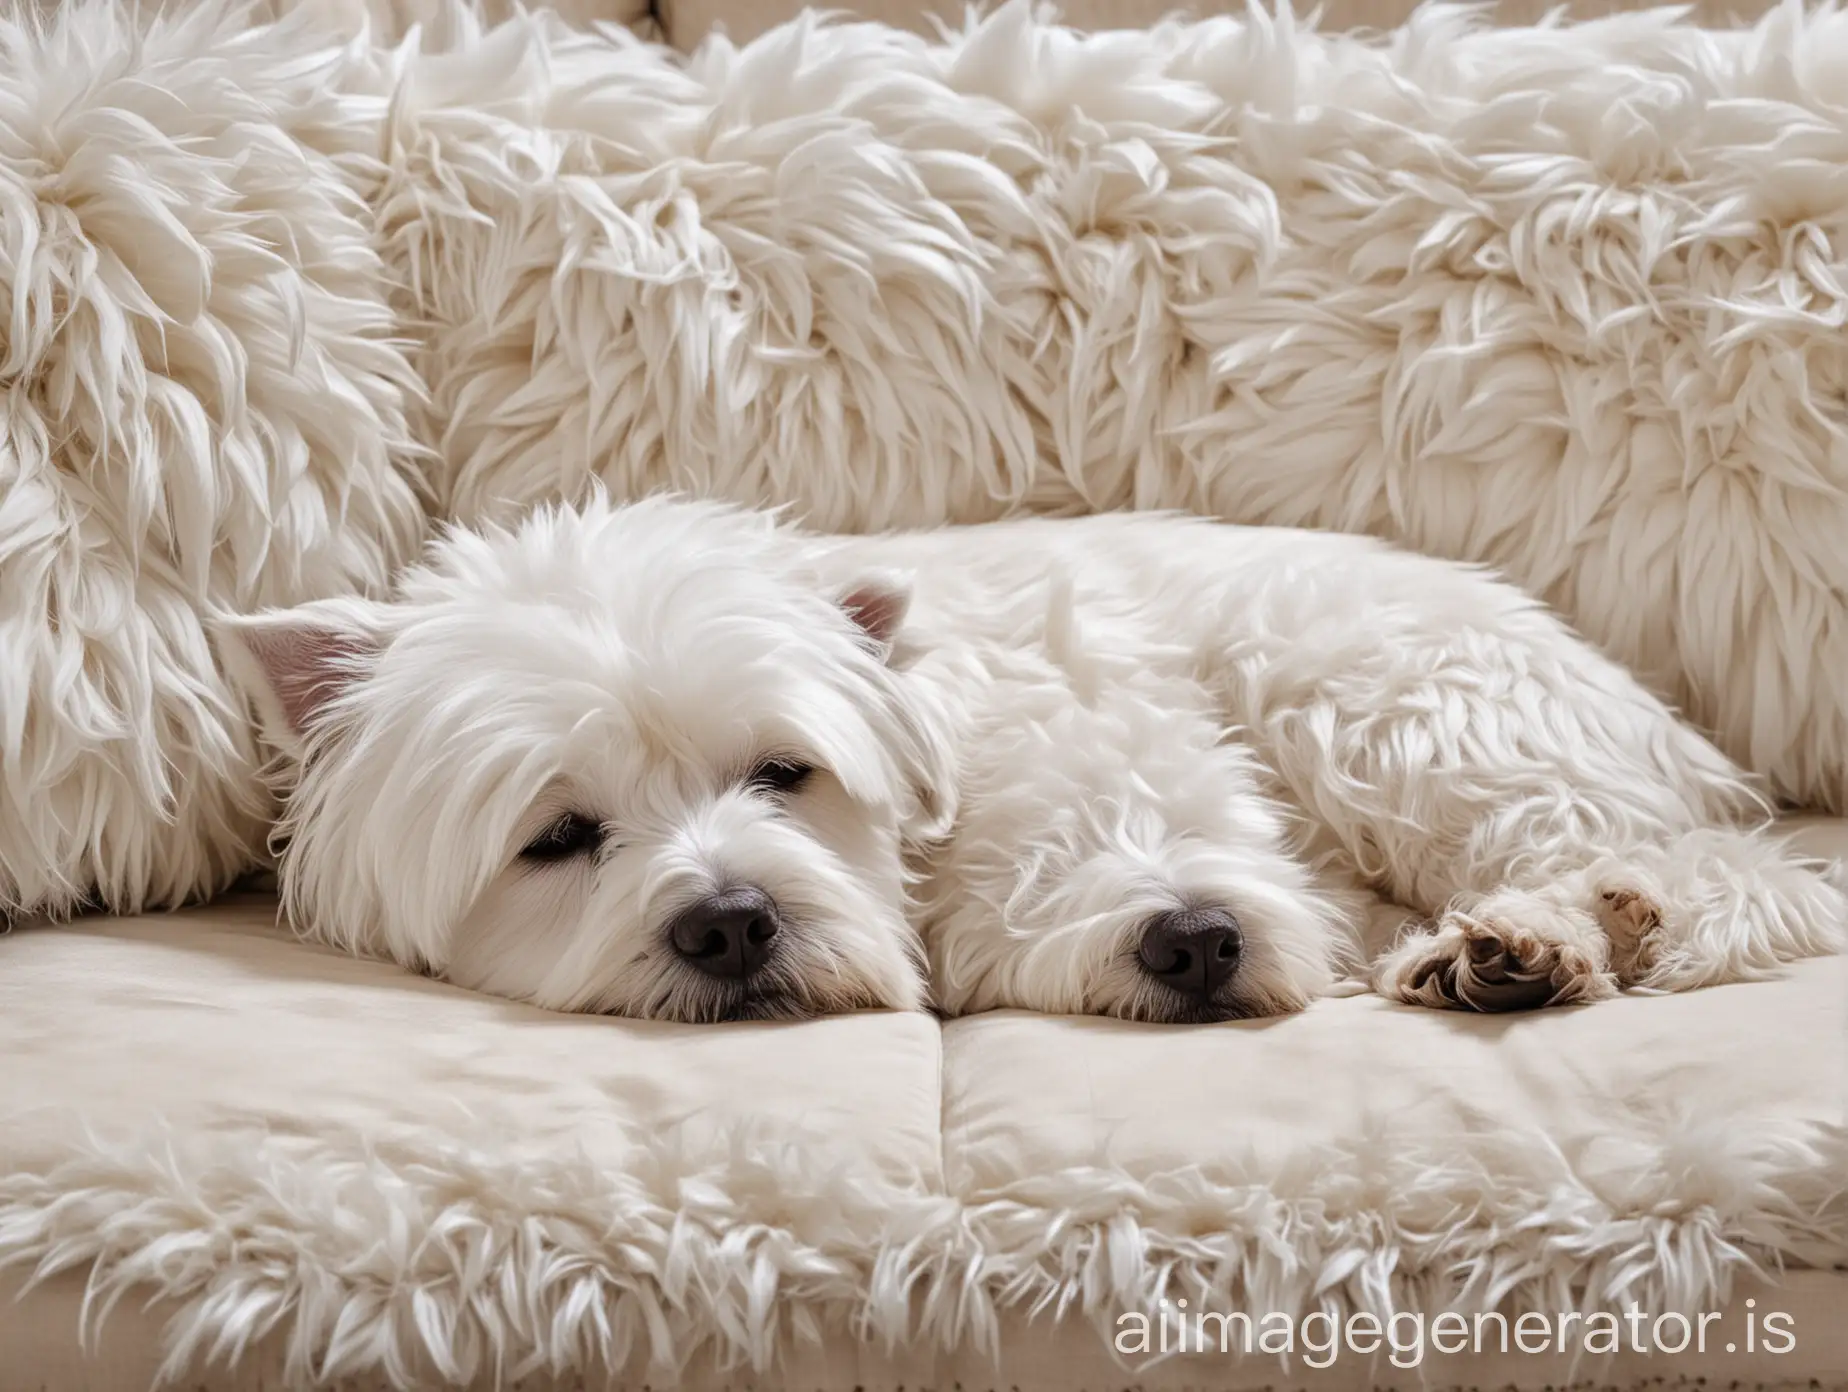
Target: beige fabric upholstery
(685, 22)
(212, 1028)
(237, 1026)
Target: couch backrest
(684, 22)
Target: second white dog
(673, 760)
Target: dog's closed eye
(780, 776)
(563, 838)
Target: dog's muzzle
(1193, 952)
(728, 936)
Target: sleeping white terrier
(674, 760)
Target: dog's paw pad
(1631, 907)
(1632, 919)
(1510, 968)
(1494, 964)
(1485, 949)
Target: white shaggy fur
(690, 1252)
(559, 739)
(203, 408)
(1568, 300)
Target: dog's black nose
(1193, 951)
(727, 935)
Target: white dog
(673, 760)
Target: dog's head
(629, 760)
(1115, 854)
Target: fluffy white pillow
(203, 406)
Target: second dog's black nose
(1193, 951)
(727, 935)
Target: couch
(229, 1159)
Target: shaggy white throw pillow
(1567, 301)
(203, 406)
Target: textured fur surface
(1569, 301)
(204, 408)
(685, 1251)
(1149, 766)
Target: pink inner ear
(877, 609)
(307, 667)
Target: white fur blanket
(1568, 301)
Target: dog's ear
(878, 603)
(289, 663)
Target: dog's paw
(1632, 920)
(1511, 954)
